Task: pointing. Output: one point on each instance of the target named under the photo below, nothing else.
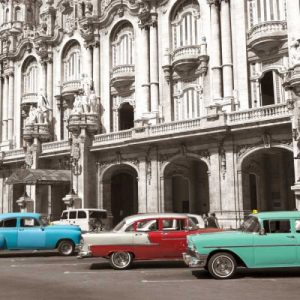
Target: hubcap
(121, 259)
(223, 266)
(66, 248)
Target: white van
(88, 219)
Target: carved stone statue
(43, 108)
(32, 116)
(295, 52)
(77, 106)
(93, 101)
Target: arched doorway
(267, 177)
(186, 186)
(126, 116)
(120, 192)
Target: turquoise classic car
(265, 240)
(30, 231)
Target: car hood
(63, 227)
(221, 239)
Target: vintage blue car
(30, 231)
(265, 240)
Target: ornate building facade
(150, 106)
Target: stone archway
(186, 186)
(267, 177)
(120, 191)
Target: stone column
(5, 107)
(1, 107)
(96, 68)
(142, 73)
(226, 50)
(43, 77)
(142, 188)
(89, 63)
(50, 86)
(215, 58)
(10, 116)
(154, 81)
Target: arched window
(260, 11)
(18, 14)
(30, 77)
(123, 45)
(72, 63)
(6, 15)
(187, 104)
(186, 26)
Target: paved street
(46, 276)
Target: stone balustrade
(258, 114)
(37, 130)
(114, 136)
(185, 51)
(122, 75)
(90, 121)
(14, 153)
(29, 98)
(56, 146)
(71, 86)
(266, 28)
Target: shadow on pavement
(257, 273)
(29, 254)
(143, 265)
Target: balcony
(266, 38)
(37, 130)
(30, 98)
(122, 77)
(71, 87)
(188, 58)
(90, 121)
(292, 80)
(239, 120)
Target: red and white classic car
(142, 237)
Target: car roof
(18, 215)
(277, 214)
(136, 217)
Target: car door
(10, 232)
(146, 239)
(277, 247)
(72, 217)
(82, 220)
(297, 235)
(31, 235)
(173, 237)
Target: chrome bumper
(84, 253)
(194, 260)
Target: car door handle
(138, 234)
(291, 236)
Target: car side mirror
(262, 231)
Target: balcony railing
(29, 98)
(71, 86)
(122, 76)
(55, 146)
(14, 153)
(114, 136)
(267, 28)
(258, 114)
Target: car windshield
(119, 226)
(251, 224)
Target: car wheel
(66, 247)
(222, 265)
(121, 260)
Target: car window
(64, 216)
(81, 214)
(98, 214)
(277, 226)
(29, 222)
(251, 224)
(147, 225)
(173, 224)
(8, 223)
(130, 228)
(297, 226)
(72, 215)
